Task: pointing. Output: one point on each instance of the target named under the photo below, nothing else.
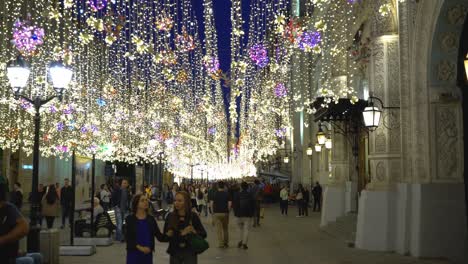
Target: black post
(33, 236)
(191, 174)
(72, 216)
(93, 186)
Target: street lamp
(372, 113)
(328, 143)
(318, 147)
(321, 137)
(309, 150)
(466, 66)
(286, 160)
(371, 116)
(18, 75)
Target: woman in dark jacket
(141, 230)
(179, 226)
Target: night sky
(222, 14)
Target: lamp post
(161, 157)
(191, 171)
(18, 75)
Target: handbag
(198, 243)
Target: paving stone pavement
(279, 240)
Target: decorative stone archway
(421, 211)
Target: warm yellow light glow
(466, 66)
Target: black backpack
(246, 204)
(200, 195)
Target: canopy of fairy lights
(147, 78)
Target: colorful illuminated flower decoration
(185, 42)
(165, 23)
(258, 53)
(293, 30)
(281, 90)
(26, 37)
(97, 5)
(309, 40)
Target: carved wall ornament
(447, 143)
(446, 71)
(380, 142)
(456, 15)
(449, 42)
(380, 171)
(383, 24)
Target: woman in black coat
(179, 225)
(141, 230)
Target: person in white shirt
(284, 196)
(200, 197)
(104, 195)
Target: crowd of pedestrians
(186, 204)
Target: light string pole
(18, 75)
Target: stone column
(376, 222)
(334, 196)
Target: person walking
(306, 200)
(284, 199)
(200, 200)
(300, 200)
(50, 206)
(66, 200)
(121, 204)
(16, 196)
(141, 231)
(170, 196)
(317, 193)
(257, 191)
(178, 228)
(221, 204)
(243, 205)
(104, 196)
(41, 190)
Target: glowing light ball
(97, 5)
(281, 90)
(259, 55)
(309, 40)
(27, 38)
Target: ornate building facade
(406, 179)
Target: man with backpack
(257, 192)
(243, 205)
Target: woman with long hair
(179, 226)
(50, 205)
(193, 197)
(141, 230)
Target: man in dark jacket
(121, 203)
(257, 192)
(317, 193)
(221, 204)
(16, 196)
(66, 199)
(13, 226)
(244, 206)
